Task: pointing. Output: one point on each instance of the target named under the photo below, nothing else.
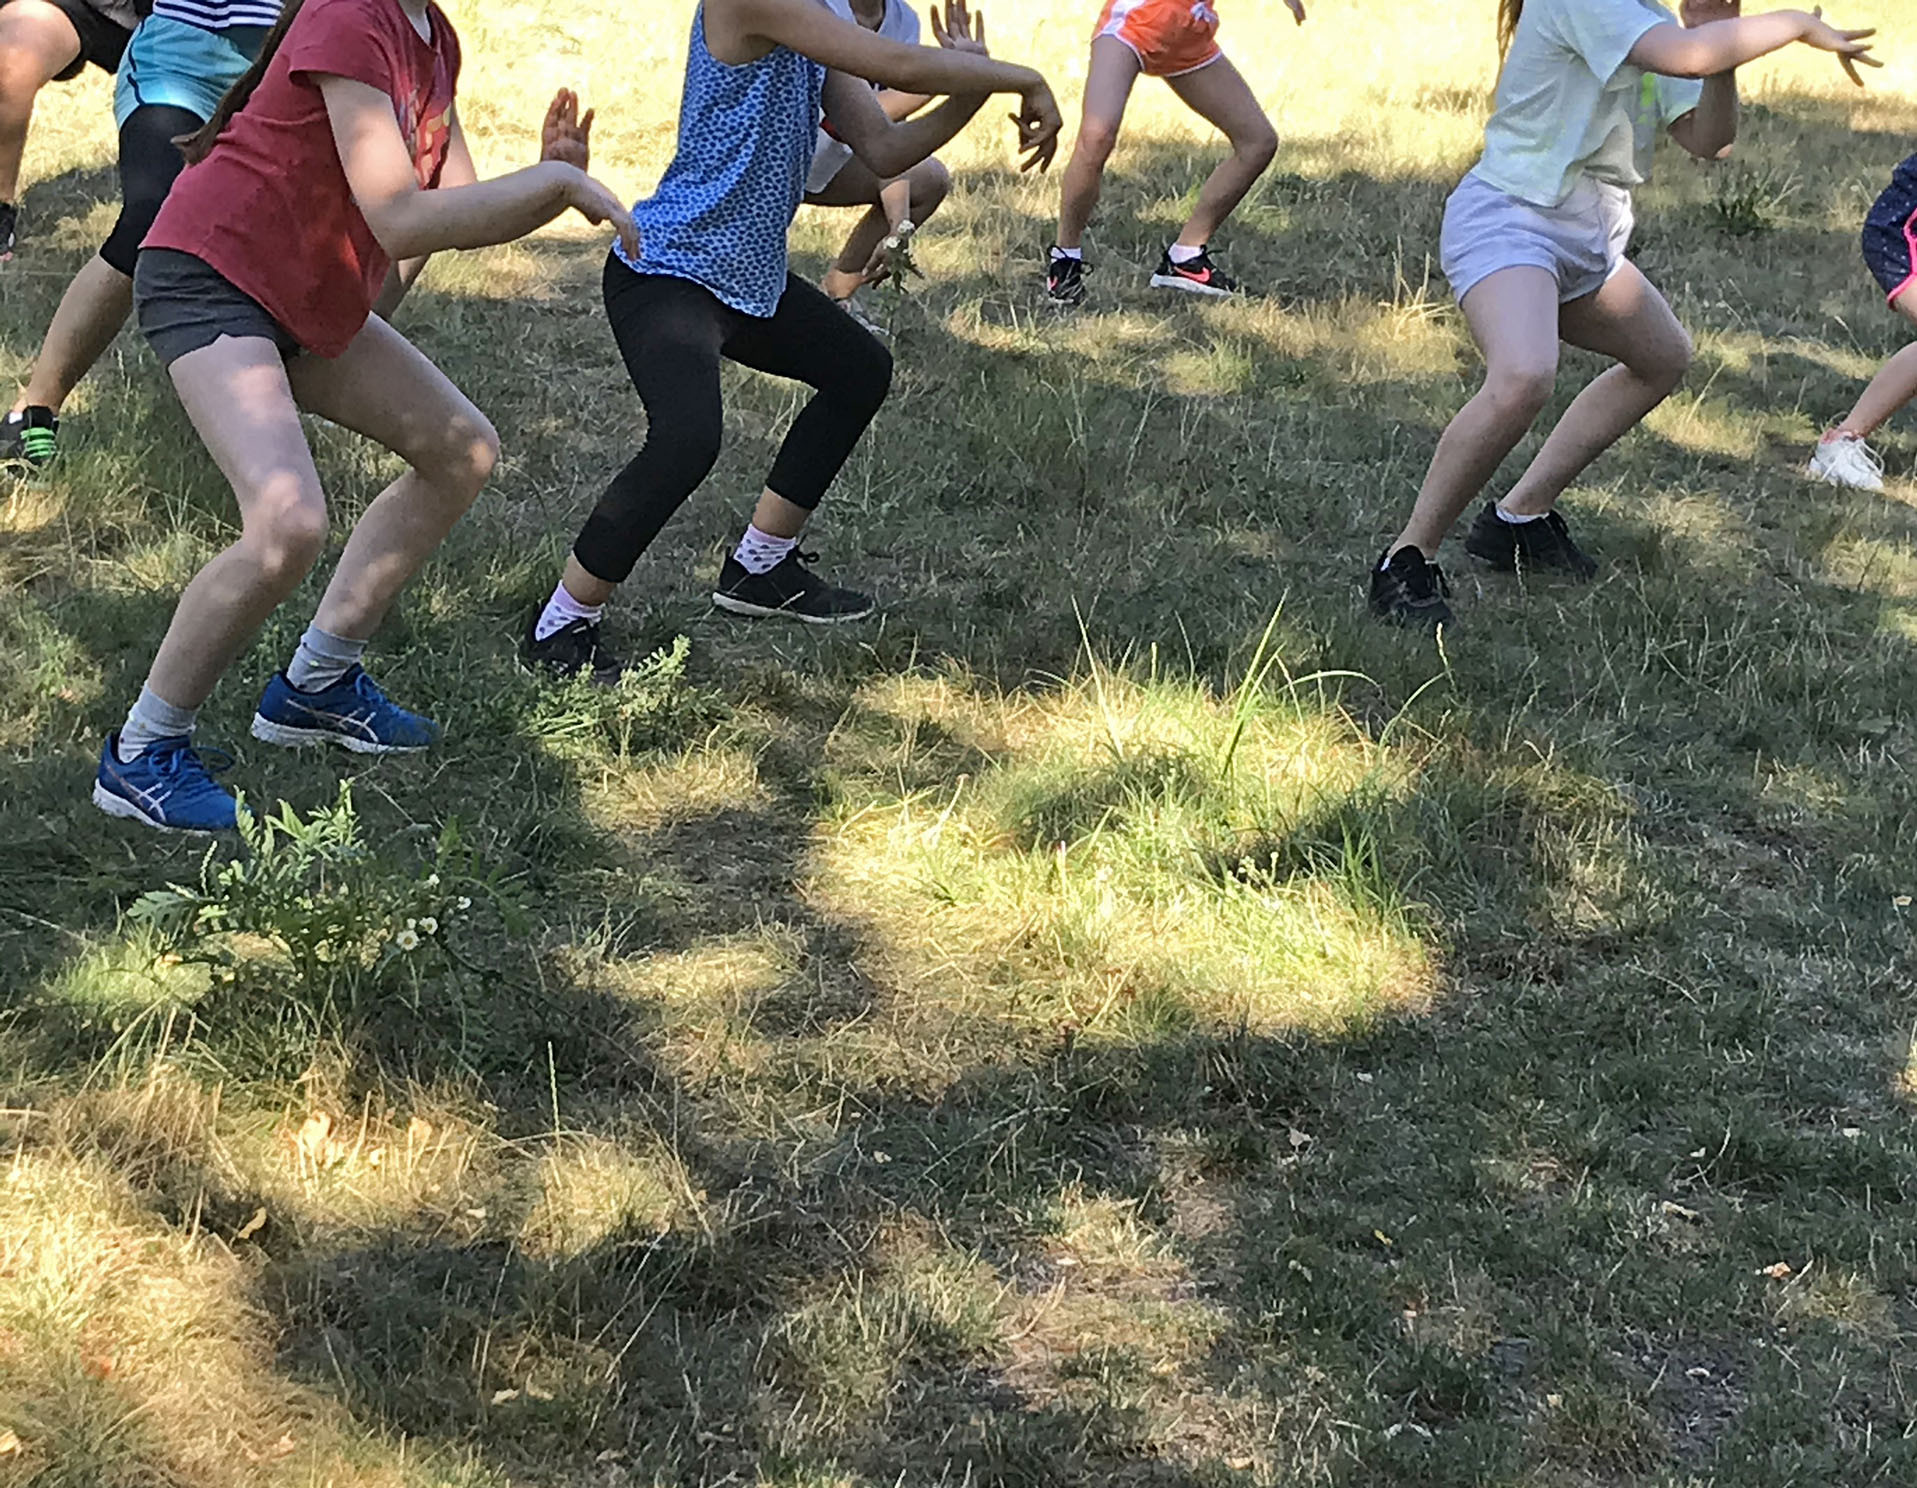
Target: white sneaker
(1845, 460)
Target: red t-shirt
(269, 206)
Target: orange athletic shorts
(1169, 36)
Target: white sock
(561, 610)
(1179, 253)
(1068, 252)
(760, 552)
(1514, 519)
(151, 719)
(322, 659)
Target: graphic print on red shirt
(270, 207)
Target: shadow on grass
(1522, 1235)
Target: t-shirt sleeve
(343, 39)
(1601, 32)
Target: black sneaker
(1408, 590)
(1064, 279)
(789, 590)
(29, 436)
(9, 225)
(1543, 544)
(570, 651)
(1194, 276)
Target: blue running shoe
(352, 713)
(169, 787)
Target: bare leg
(384, 387)
(917, 194)
(1894, 385)
(1513, 316)
(1108, 87)
(37, 44)
(1629, 320)
(237, 395)
(89, 316)
(1219, 94)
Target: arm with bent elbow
(891, 147)
(1709, 130)
(1723, 46)
(409, 221)
(959, 68)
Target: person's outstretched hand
(566, 136)
(1851, 47)
(960, 29)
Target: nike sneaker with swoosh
(1194, 276)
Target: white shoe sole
(288, 737)
(734, 606)
(125, 810)
(1831, 478)
(1174, 281)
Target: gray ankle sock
(151, 719)
(322, 659)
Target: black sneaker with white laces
(572, 650)
(1197, 275)
(1065, 279)
(1410, 590)
(789, 591)
(1542, 544)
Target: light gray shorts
(1581, 241)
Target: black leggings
(149, 162)
(672, 334)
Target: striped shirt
(219, 15)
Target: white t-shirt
(901, 23)
(1570, 105)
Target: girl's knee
(284, 533)
(1520, 389)
(1665, 365)
(1259, 147)
(867, 378)
(1097, 138)
(466, 459)
(931, 182)
(686, 451)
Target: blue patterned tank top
(720, 215)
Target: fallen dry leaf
(1778, 1271)
(533, 1392)
(500, 1397)
(252, 1227)
(9, 1443)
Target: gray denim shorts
(184, 303)
(1581, 240)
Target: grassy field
(1120, 1017)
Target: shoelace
(1869, 456)
(174, 762)
(1427, 582)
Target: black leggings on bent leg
(149, 160)
(673, 334)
